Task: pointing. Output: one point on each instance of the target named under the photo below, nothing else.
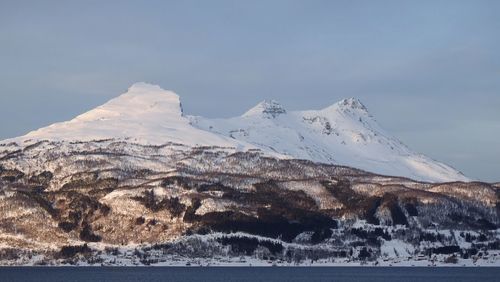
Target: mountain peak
(349, 105)
(141, 100)
(144, 87)
(146, 113)
(267, 109)
(152, 96)
(352, 103)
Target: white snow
(144, 114)
(343, 133)
(396, 249)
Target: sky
(429, 71)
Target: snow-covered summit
(142, 101)
(145, 114)
(351, 103)
(267, 109)
(350, 106)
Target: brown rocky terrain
(55, 197)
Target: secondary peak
(267, 109)
(352, 103)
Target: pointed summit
(352, 103)
(267, 109)
(349, 105)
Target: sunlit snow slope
(344, 133)
(144, 114)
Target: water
(349, 274)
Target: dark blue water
(350, 274)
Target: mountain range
(136, 181)
(344, 133)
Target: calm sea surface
(350, 274)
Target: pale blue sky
(429, 71)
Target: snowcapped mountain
(145, 114)
(343, 133)
(137, 182)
